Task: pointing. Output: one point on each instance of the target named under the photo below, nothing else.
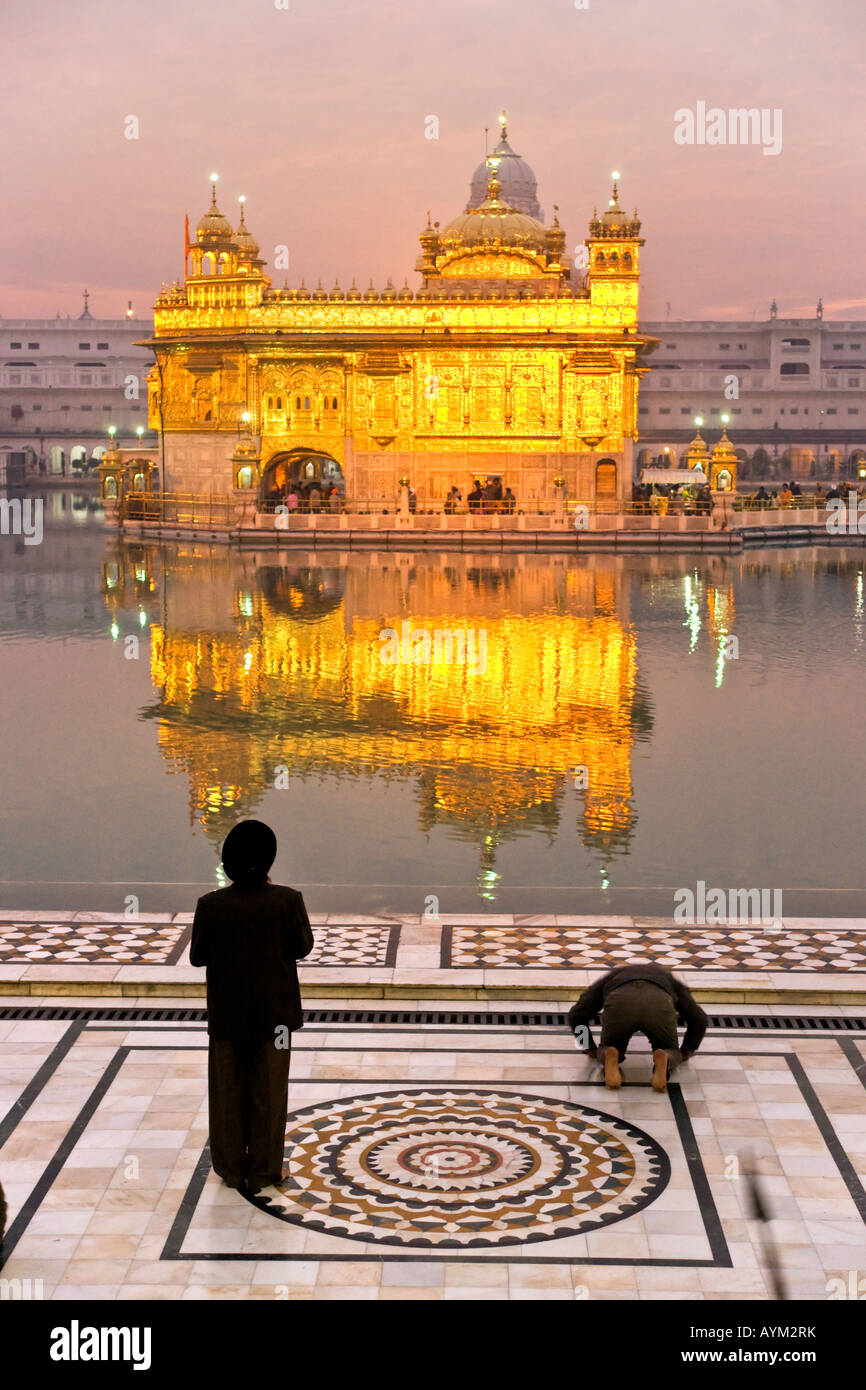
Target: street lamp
(139, 429)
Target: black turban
(249, 851)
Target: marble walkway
(433, 1160)
(818, 960)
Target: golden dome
(337, 292)
(353, 292)
(245, 241)
(494, 221)
(370, 292)
(389, 292)
(614, 222)
(723, 449)
(213, 226)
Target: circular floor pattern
(450, 1169)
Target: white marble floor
(435, 1161)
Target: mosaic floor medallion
(450, 1168)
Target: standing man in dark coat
(249, 937)
(640, 999)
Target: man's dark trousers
(248, 1085)
(641, 1007)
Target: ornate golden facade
(508, 360)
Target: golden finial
(503, 124)
(213, 184)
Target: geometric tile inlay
(127, 942)
(354, 944)
(753, 947)
(462, 1169)
(90, 943)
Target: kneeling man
(640, 999)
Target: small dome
(319, 293)
(405, 294)
(213, 226)
(370, 292)
(389, 292)
(514, 174)
(244, 240)
(353, 292)
(337, 293)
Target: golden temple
(511, 360)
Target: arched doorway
(304, 469)
(857, 465)
(605, 485)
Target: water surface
(617, 746)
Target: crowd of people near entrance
(483, 497)
(672, 499)
(317, 496)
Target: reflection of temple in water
(261, 665)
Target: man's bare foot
(612, 1073)
(660, 1070)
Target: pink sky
(317, 115)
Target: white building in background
(795, 388)
(63, 382)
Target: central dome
(495, 219)
(515, 176)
